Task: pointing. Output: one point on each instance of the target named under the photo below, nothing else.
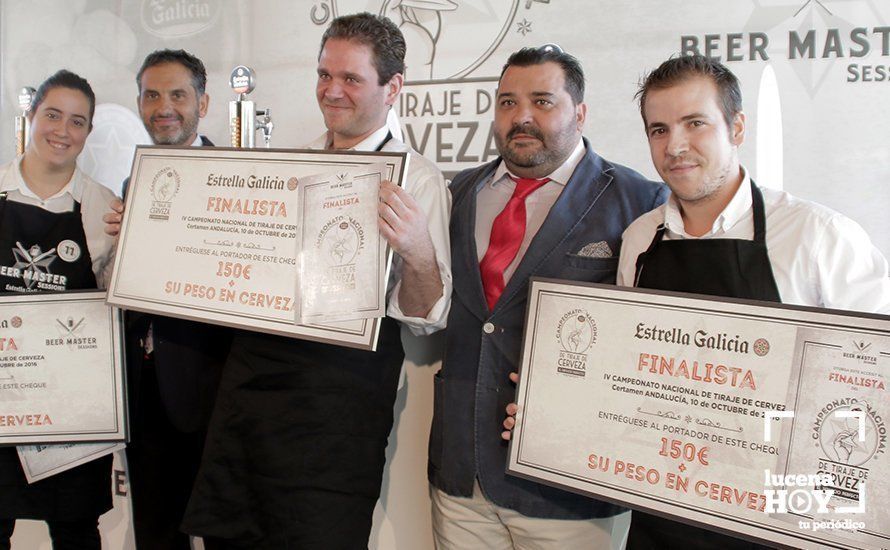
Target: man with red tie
(549, 206)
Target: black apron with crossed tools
(719, 267)
(42, 251)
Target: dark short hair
(378, 33)
(679, 69)
(571, 67)
(65, 79)
(187, 60)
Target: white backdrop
(815, 75)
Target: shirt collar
(735, 210)
(561, 175)
(15, 182)
(197, 142)
(370, 143)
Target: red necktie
(507, 232)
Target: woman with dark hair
(48, 206)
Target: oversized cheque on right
(662, 401)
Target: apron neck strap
(758, 212)
(659, 235)
(384, 142)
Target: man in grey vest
(551, 207)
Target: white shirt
(427, 185)
(819, 257)
(494, 195)
(94, 198)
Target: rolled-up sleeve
(427, 185)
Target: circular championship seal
(16, 322)
(292, 184)
(165, 184)
(68, 250)
(340, 240)
(576, 331)
(839, 436)
(761, 347)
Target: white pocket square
(596, 250)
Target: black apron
(719, 267)
(34, 240)
(296, 448)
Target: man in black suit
(173, 366)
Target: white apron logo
(32, 266)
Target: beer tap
(244, 118)
(22, 124)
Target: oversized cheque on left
(61, 376)
(211, 234)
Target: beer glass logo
(70, 327)
(861, 352)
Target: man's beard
(544, 155)
(186, 129)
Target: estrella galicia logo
(761, 347)
(178, 18)
(576, 333)
(164, 186)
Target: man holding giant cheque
(714, 373)
(296, 244)
(723, 235)
(296, 448)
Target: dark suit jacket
(472, 389)
(188, 361)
